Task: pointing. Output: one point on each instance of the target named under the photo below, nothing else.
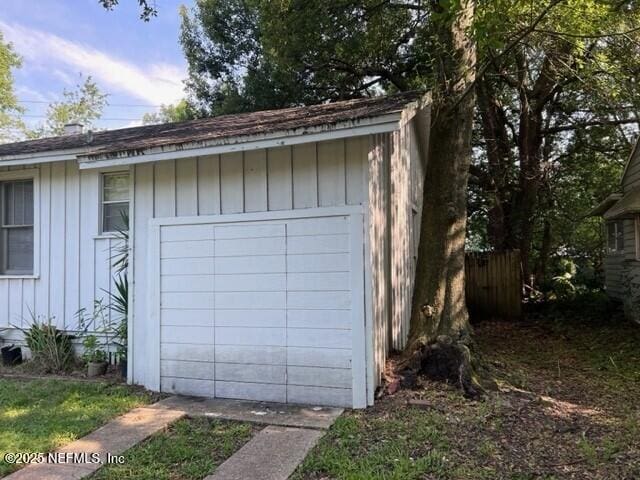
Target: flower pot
(123, 368)
(95, 369)
(11, 355)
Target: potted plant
(94, 356)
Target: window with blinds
(16, 227)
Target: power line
(133, 105)
(99, 119)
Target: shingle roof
(215, 128)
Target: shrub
(51, 349)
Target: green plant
(92, 351)
(119, 299)
(51, 349)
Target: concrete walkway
(272, 454)
(284, 414)
(114, 438)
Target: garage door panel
(332, 262)
(251, 354)
(228, 232)
(341, 397)
(250, 246)
(322, 338)
(318, 281)
(251, 318)
(319, 376)
(242, 300)
(188, 386)
(266, 282)
(186, 369)
(176, 233)
(187, 266)
(190, 249)
(251, 336)
(195, 353)
(186, 283)
(235, 372)
(202, 300)
(319, 300)
(318, 244)
(318, 357)
(318, 226)
(187, 335)
(340, 319)
(253, 264)
(258, 310)
(187, 317)
(263, 392)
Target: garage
(265, 307)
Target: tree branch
(594, 123)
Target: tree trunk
(440, 331)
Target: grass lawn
(41, 415)
(568, 408)
(191, 448)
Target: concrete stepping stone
(114, 438)
(272, 454)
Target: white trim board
(241, 144)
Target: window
(16, 227)
(115, 202)
(636, 231)
(615, 237)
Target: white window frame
(102, 174)
(636, 233)
(34, 175)
(618, 234)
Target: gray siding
(631, 178)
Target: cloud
(158, 83)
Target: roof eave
(605, 205)
(372, 125)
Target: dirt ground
(568, 408)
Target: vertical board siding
(74, 260)
(331, 173)
(209, 185)
(280, 178)
(232, 188)
(280, 182)
(396, 175)
(73, 265)
(305, 175)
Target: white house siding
(331, 173)
(396, 178)
(73, 263)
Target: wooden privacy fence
(494, 284)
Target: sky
(138, 64)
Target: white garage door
(269, 310)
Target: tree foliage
(178, 112)
(84, 105)
(557, 84)
(10, 123)
(147, 7)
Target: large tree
(547, 71)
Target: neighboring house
(272, 253)
(621, 214)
